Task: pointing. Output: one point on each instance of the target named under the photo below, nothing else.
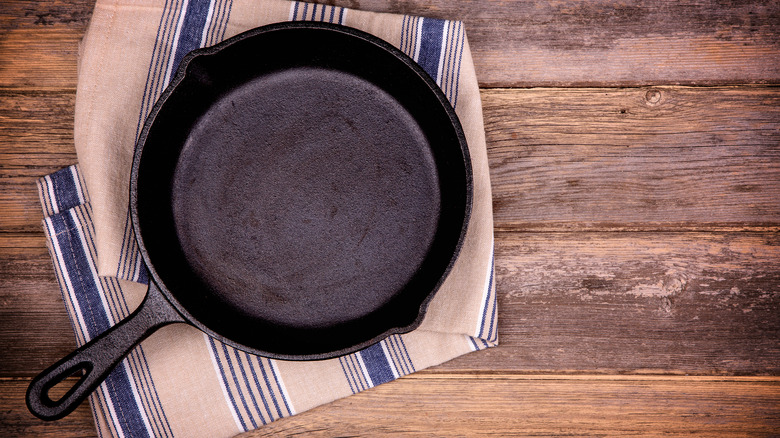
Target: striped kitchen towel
(180, 382)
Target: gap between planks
(431, 374)
(561, 375)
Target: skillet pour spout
(299, 191)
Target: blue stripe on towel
(487, 304)
(258, 387)
(214, 350)
(362, 378)
(141, 367)
(75, 265)
(95, 416)
(377, 364)
(224, 17)
(403, 357)
(347, 375)
(455, 74)
(268, 385)
(355, 374)
(157, 66)
(408, 33)
(492, 332)
(238, 387)
(406, 352)
(191, 29)
(457, 69)
(278, 380)
(63, 183)
(127, 410)
(430, 46)
(240, 366)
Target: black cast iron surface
(306, 198)
(300, 191)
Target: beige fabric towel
(179, 382)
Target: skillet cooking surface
(306, 198)
(301, 191)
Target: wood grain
(38, 58)
(636, 219)
(16, 421)
(638, 159)
(612, 42)
(680, 303)
(39, 42)
(428, 404)
(36, 122)
(30, 303)
(506, 405)
(696, 303)
(36, 138)
(644, 158)
(514, 43)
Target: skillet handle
(98, 357)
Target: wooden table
(635, 162)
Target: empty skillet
(299, 191)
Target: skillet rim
(180, 75)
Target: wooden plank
(505, 405)
(20, 208)
(693, 153)
(639, 158)
(426, 404)
(39, 43)
(17, 421)
(612, 42)
(618, 43)
(682, 303)
(35, 330)
(561, 159)
(695, 303)
(514, 43)
(39, 58)
(36, 138)
(34, 121)
(42, 14)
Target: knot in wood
(653, 96)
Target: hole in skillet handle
(97, 358)
(58, 384)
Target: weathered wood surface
(479, 406)
(561, 159)
(637, 219)
(16, 421)
(684, 303)
(430, 404)
(32, 313)
(514, 43)
(36, 138)
(639, 158)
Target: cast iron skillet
(299, 191)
